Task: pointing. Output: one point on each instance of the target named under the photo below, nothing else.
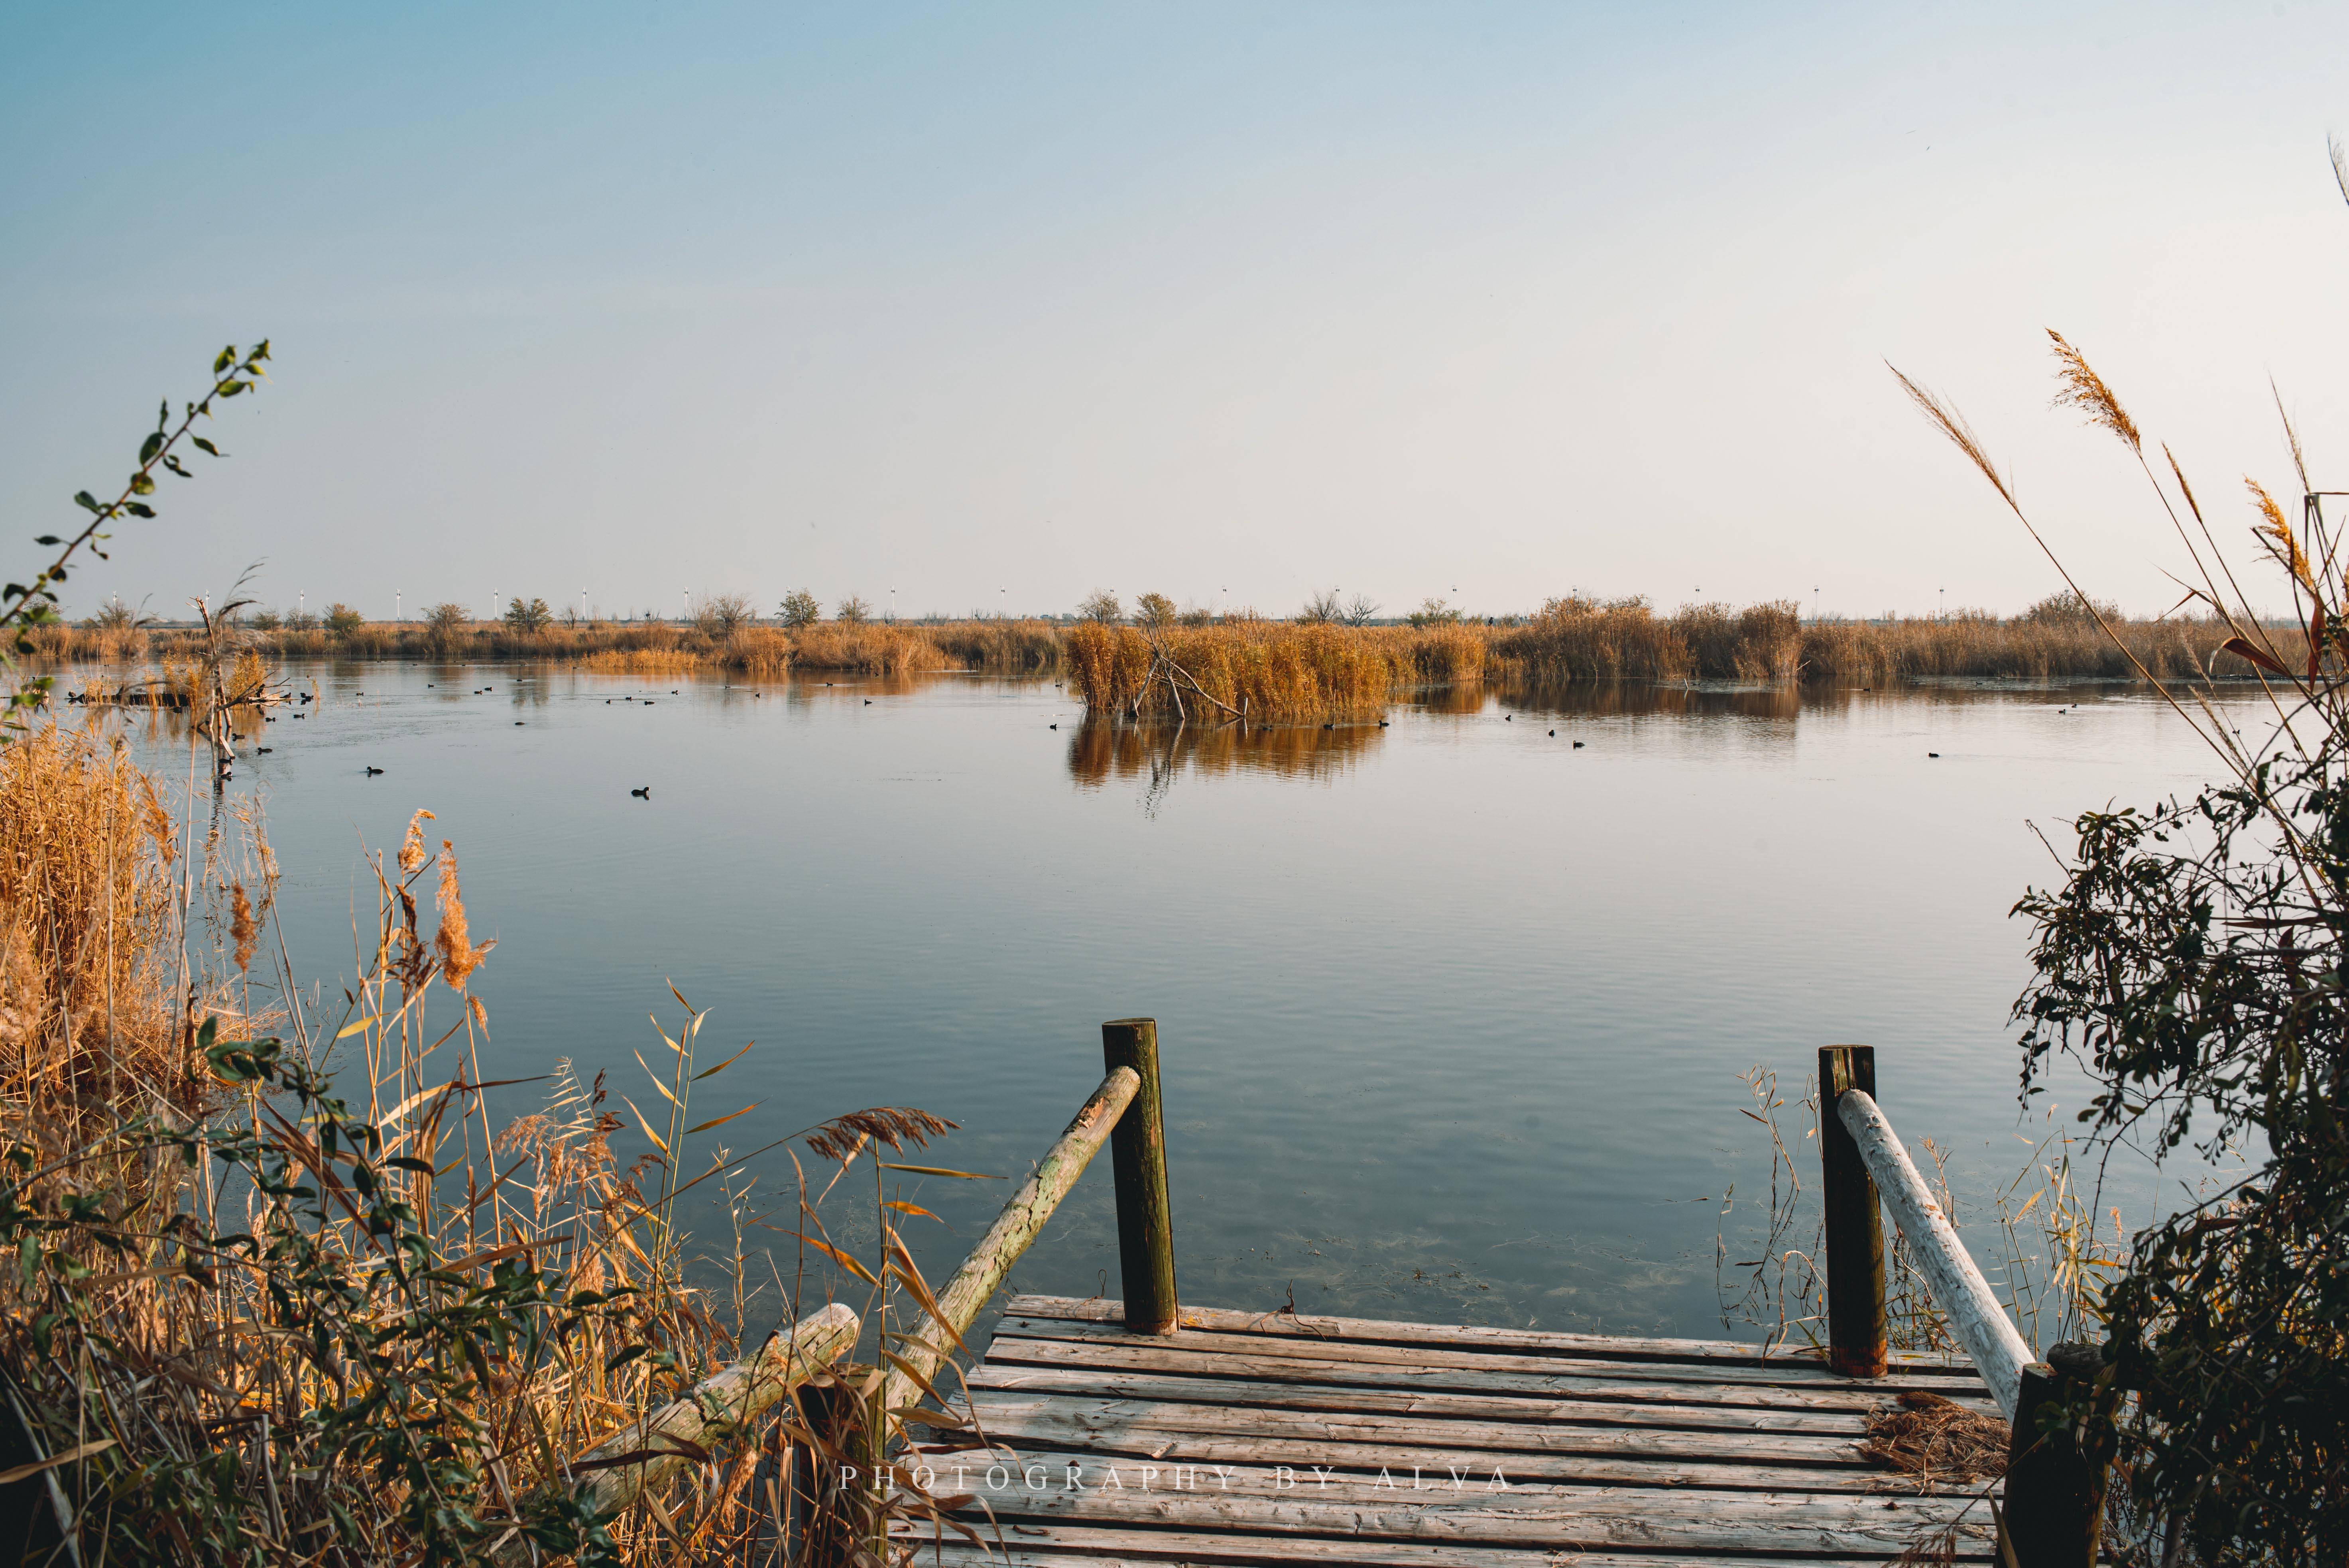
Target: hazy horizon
(996, 308)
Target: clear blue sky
(965, 299)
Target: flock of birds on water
(646, 793)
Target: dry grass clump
(1268, 670)
(87, 918)
(868, 648)
(1936, 1442)
(643, 661)
(1001, 647)
(2024, 647)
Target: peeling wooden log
(1958, 1288)
(1014, 1230)
(715, 1412)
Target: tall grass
(296, 1296)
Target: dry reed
(223, 1368)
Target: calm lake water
(1452, 1012)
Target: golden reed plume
(1961, 434)
(2079, 387)
(458, 956)
(2276, 533)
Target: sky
(985, 307)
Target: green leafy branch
(24, 605)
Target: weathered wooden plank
(1068, 1546)
(1411, 1451)
(1160, 1356)
(1097, 1309)
(1413, 1403)
(1787, 1372)
(1010, 1412)
(1492, 1509)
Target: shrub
(723, 614)
(342, 620)
(528, 616)
(798, 609)
(852, 611)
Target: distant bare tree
(1102, 606)
(723, 614)
(854, 610)
(1322, 608)
(1358, 610)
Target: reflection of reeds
(1103, 749)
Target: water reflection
(1103, 750)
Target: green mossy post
(1145, 1227)
(1854, 1221)
(2053, 1515)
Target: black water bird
(1508, 718)
(868, 702)
(1578, 746)
(373, 771)
(1553, 735)
(648, 702)
(1383, 724)
(1932, 754)
(1051, 727)
(265, 750)
(643, 794)
(517, 724)
(1329, 726)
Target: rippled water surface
(1452, 1011)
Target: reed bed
(87, 903)
(255, 1313)
(763, 652)
(1574, 639)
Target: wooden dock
(1143, 1430)
(1279, 1437)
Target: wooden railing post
(2055, 1486)
(1854, 1221)
(1145, 1227)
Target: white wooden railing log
(1958, 1288)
